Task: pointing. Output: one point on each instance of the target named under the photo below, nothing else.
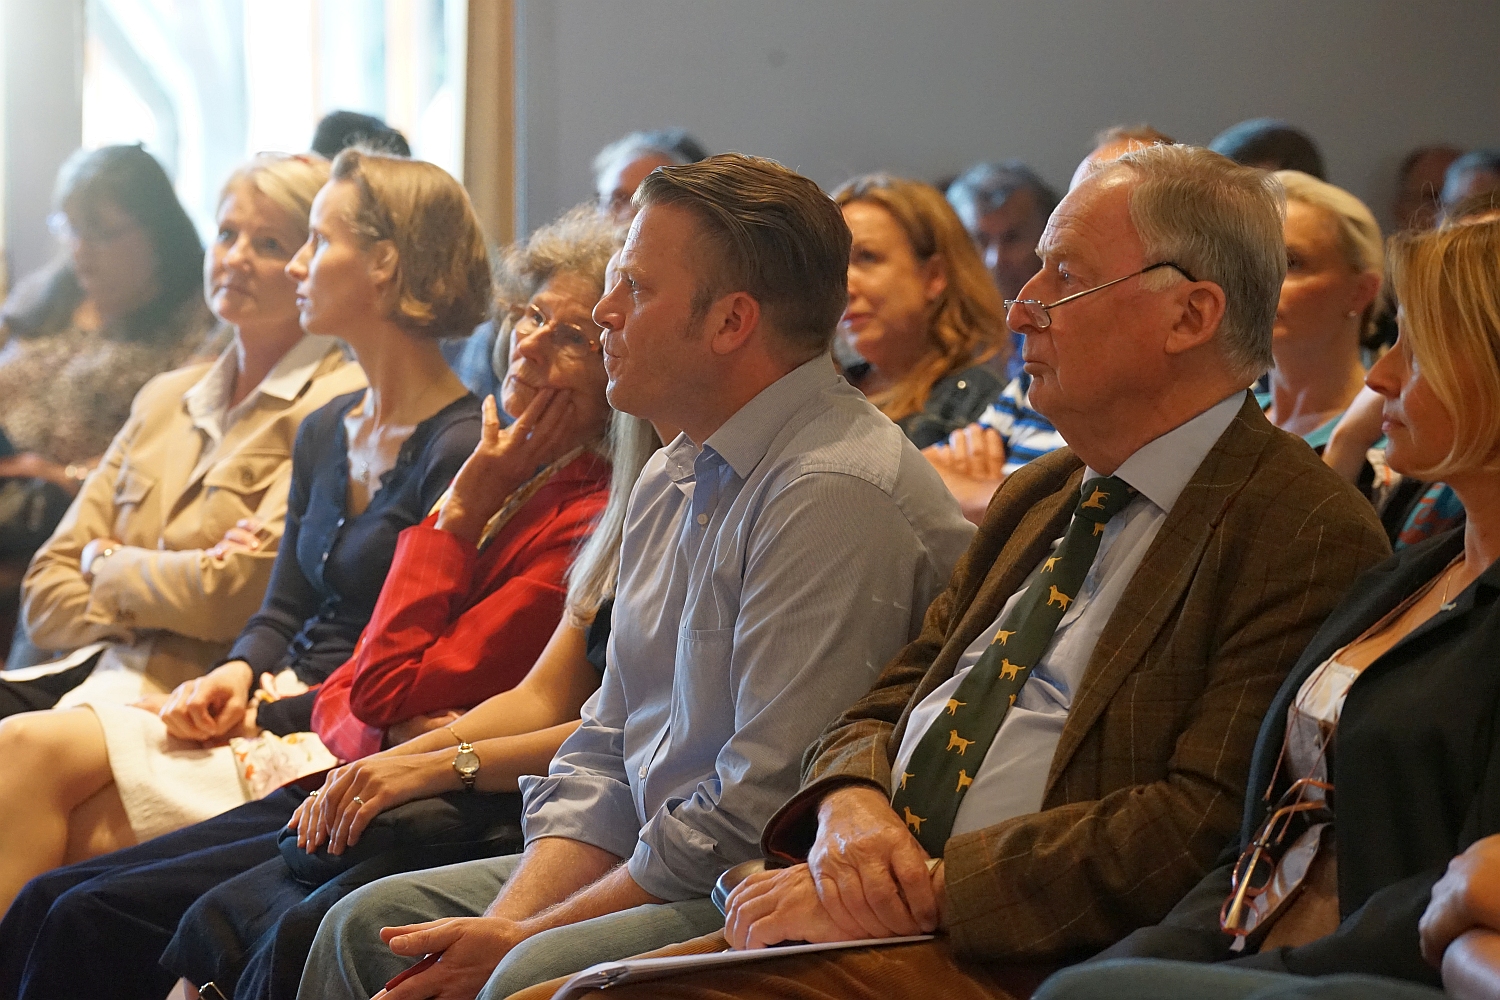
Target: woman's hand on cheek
(504, 460)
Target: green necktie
(949, 754)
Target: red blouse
(454, 626)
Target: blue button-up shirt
(765, 580)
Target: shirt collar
(743, 439)
(1160, 469)
(287, 378)
(208, 399)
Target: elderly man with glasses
(1062, 753)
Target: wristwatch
(466, 765)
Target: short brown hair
(966, 322)
(443, 270)
(776, 235)
(1448, 283)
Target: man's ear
(731, 320)
(1200, 313)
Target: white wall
(838, 87)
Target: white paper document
(640, 970)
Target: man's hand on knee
(869, 870)
(471, 948)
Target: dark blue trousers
(98, 927)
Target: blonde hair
(967, 319)
(1359, 233)
(443, 270)
(1448, 283)
(1221, 222)
(290, 180)
(591, 578)
(580, 243)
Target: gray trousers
(1157, 979)
(349, 961)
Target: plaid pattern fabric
(1147, 781)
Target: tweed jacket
(1146, 784)
(161, 594)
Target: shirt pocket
(132, 487)
(235, 489)
(703, 689)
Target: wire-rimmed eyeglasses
(528, 320)
(1037, 313)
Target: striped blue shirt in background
(1027, 433)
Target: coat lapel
(1172, 561)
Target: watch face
(467, 762)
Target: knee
(357, 917)
(27, 735)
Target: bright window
(205, 83)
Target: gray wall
(838, 87)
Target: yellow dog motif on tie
(1002, 637)
(1095, 502)
(954, 740)
(1059, 598)
(954, 705)
(913, 820)
(1009, 670)
(964, 781)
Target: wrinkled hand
(782, 905)
(1467, 896)
(209, 707)
(243, 537)
(505, 458)
(380, 782)
(471, 947)
(410, 729)
(972, 466)
(869, 870)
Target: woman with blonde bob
(1329, 301)
(923, 314)
(1379, 761)
(394, 260)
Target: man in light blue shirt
(776, 554)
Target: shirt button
(702, 518)
(642, 771)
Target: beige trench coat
(169, 493)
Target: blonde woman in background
(1335, 266)
(166, 552)
(923, 314)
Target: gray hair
(1221, 222)
(984, 187)
(1359, 233)
(580, 243)
(675, 144)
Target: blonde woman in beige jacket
(167, 550)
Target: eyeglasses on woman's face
(567, 340)
(1038, 314)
